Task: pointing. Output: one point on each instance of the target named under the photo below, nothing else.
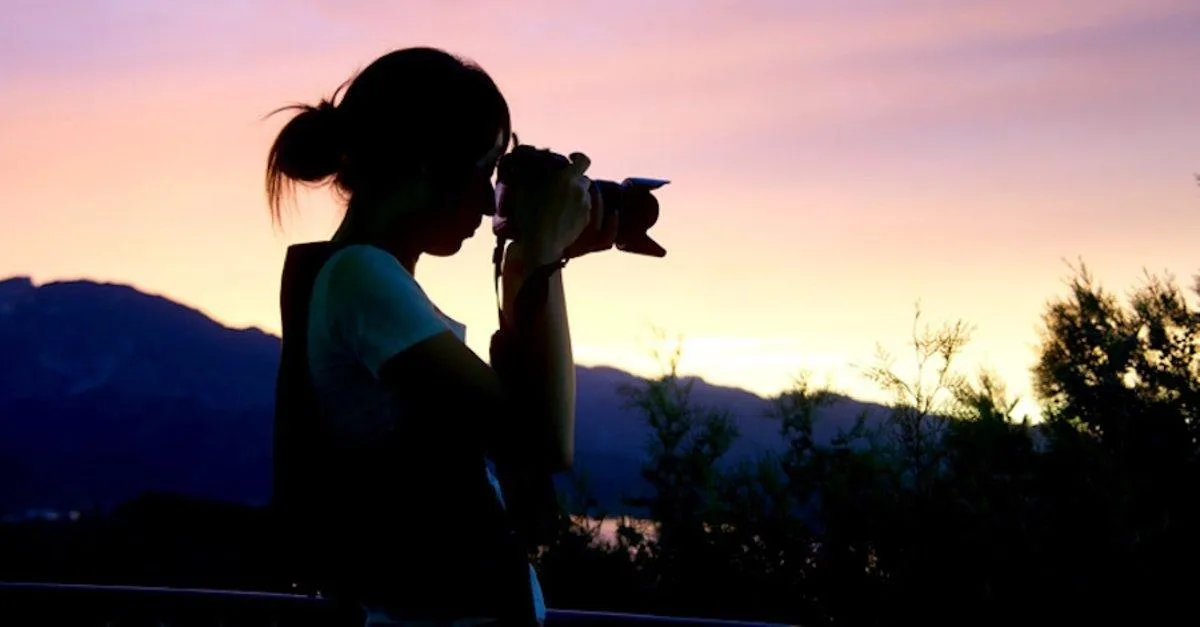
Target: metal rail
(55, 603)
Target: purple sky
(832, 163)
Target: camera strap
(529, 491)
(534, 290)
(497, 260)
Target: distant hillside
(106, 392)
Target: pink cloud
(654, 83)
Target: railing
(77, 604)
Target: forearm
(547, 348)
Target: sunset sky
(832, 163)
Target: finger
(581, 194)
(579, 164)
(598, 216)
(585, 212)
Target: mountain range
(107, 393)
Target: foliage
(945, 508)
(948, 504)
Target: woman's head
(413, 141)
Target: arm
(379, 315)
(384, 319)
(546, 336)
(545, 339)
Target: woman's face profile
(452, 225)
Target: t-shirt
(366, 308)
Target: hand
(601, 232)
(562, 213)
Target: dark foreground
(76, 604)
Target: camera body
(630, 201)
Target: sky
(832, 164)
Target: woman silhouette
(387, 425)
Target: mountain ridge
(107, 392)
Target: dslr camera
(631, 201)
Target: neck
(356, 230)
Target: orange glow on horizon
(830, 164)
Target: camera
(630, 201)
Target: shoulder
(360, 262)
(374, 307)
(361, 271)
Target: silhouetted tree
(684, 451)
(945, 507)
(1121, 389)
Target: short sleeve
(376, 308)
